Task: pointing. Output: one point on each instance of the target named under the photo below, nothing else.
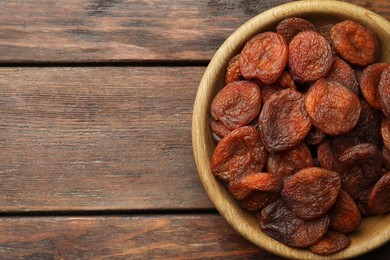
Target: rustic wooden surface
(95, 128)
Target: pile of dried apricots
(302, 127)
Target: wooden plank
(126, 30)
(102, 138)
(135, 237)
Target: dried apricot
(309, 66)
(386, 157)
(384, 91)
(315, 136)
(286, 81)
(243, 187)
(290, 27)
(362, 202)
(367, 129)
(219, 128)
(355, 43)
(236, 104)
(259, 200)
(284, 121)
(233, 70)
(360, 168)
(311, 192)
(379, 200)
(326, 157)
(343, 74)
(332, 108)
(280, 223)
(344, 215)
(240, 151)
(264, 57)
(385, 132)
(325, 30)
(289, 162)
(332, 242)
(369, 81)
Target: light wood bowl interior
(374, 231)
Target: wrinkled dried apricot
(355, 43)
(386, 157)
(384, 91)
(332, 108)
(362, 203)
(367, 129)
(219, 128)
(240, 151)
(326, 157)
(344, 215)
(280, 223)
(264, 57)
(290, 27)
(385, 132)
(311, 192)
(379, 200)
(233, 70)
(284, 121)
(369, 81)
(286, 81)
(309, 66)
(259, 200)
(325, 30)
(360, 168)
(289, 162)
(343, 74)
(332, 242)
(315, 136)
(236, 104)
(243, 187)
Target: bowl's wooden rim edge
(201, 151)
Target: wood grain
(103, 138)
(69, 31)
(135, 237)
(139, 237)
(119, 30)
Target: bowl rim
(229, 210)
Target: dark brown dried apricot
(360, 168)
(367, 129)
(386, 157)
(290, 27)
(289, 162)
(284, 121)
(343, 74)
(264, 57)
(332, 242)
(280, 223)
(369, 81)
(384, 91)
(315, 136)
(236, 104)
(385, 132)
(243, 187)
(325, 30)
(344, 215)
(233, 70)
(309, 66)
(355, 43)
(332, 108)
(259, 200)
(379, 200)
(311, 192)
(239, 152)
(362, 202)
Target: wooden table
(95, 128)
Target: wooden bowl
(374, 231)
